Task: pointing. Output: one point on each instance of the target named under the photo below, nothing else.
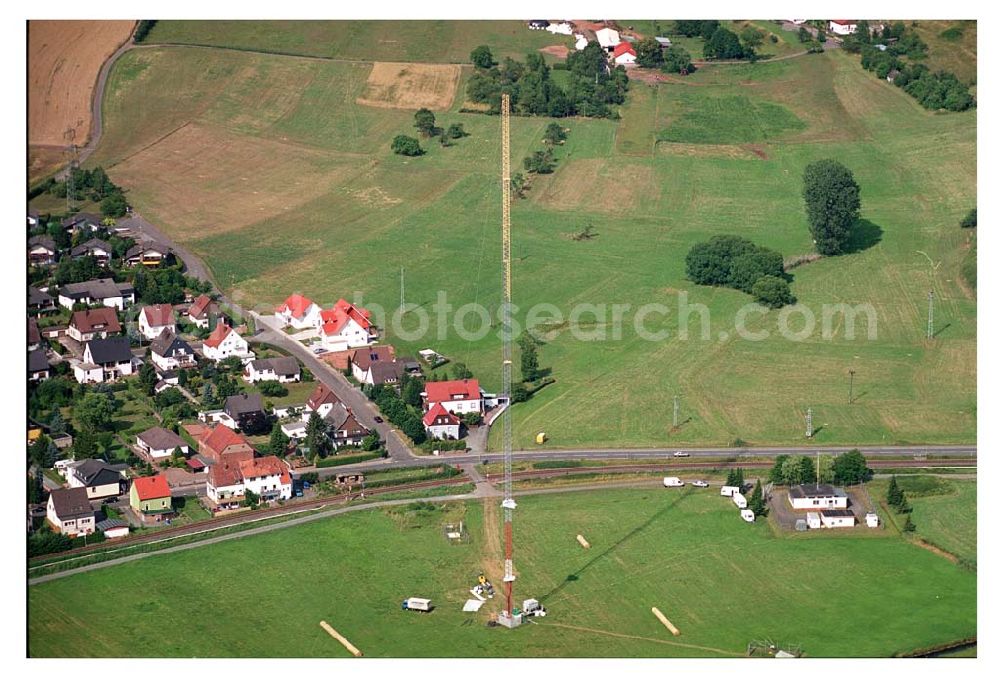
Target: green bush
(345, 460)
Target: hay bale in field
(343, 641)
(667, 623)
(583, 542)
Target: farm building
(837, 517)
(811, 497)
(623, 54)
(608, 38)
(843, 26)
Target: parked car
(318, 351)
(700, 483)
(682, 454)
(379, 419)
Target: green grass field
(267, 167)
(721, 581)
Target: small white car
(699, 483)
(681, 454)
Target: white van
(673, 482)
(729, 490)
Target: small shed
(813, 521)
(871, 519)
(837, 517)
(800, 525)
(114, 528)
(891, 76)
(664, 42)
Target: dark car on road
(379, 419)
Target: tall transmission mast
(507, 618)
(930, 315)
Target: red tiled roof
(335, 318)
(218, 335)
(153, 487)
(445, 391)
(159, 315)
(296, 304)
(843, 22)
(220, 437)
(199, 306)
(264, 466)
(86, 321)
(321, 394)
(225, 472)
(623, 48)
(438, 410)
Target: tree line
(720, 42)
(83, 185)
(896, 49)
(593, 88)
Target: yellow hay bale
(583, 542)
(659, 615)
(343, 641)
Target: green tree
(148, 378)
(541, 162)
(34, 489)
(371, 442)
(752, 38)
(412, 387)
(423, 121)
(529, 357)
(37, 451)
(517, 185)
(252, 498)
(804, 35)
(970, 219)
(519, 394)
(851, 468)
(208, 395)
(773, 292)
(894, 495)
(278, 444)
(791, 472)
(756, 501)
(735, 478)
(909, 527)
(114, 206)
(777, 474)
(807, 470)
(413, 426)
(317, 441)
(482, 58)
(554, 133)
(677, 60)
(648, 53)
(57, 424)
(84, 445)
(95, 411)
(182, 378)
(456, 131)
(833, 204)
(724, 44)
(406, 146)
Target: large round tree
(833, 203)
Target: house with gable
(222, 440)
(154, 319)
(346, 326)
(202, 310)
(321, 400)
(168, 352)
(149, 254)
(298, 312)
(280, 369)
(69, 511)
(105, 360)
(41, 250)
(86, 325)
(441, 424)
(98, 249)
(458, 397)
(150, 496)
(104, 292)
(99, 479)
(225, 342)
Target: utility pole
(930, 314)
(676, 410)
(809, 422)
(402, 296)
(850, 394)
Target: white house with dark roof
(814, 497)
(38, 365)
(159, 443)
(97, 292)
(99, 479)
(149, 254)
(69, 511)
(104, 360)
(169, 352)
(281, 369)
(41, 250)
(98, 249)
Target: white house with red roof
(225, 342)
(623, 54)
(267, 477)
(298, 312)
(346, 326)
(322, 401)
(843, 26)
(201, 310)
(459, 397)
(153, 319)
(442, 424)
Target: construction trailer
(729, 490)
(739, 500)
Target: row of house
(70, 510)
(343, 427)
(43, 252)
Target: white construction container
(729, 490)
(739, 500)
(419, 604)
(673, 482)
(871, 519)
(747, 515)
